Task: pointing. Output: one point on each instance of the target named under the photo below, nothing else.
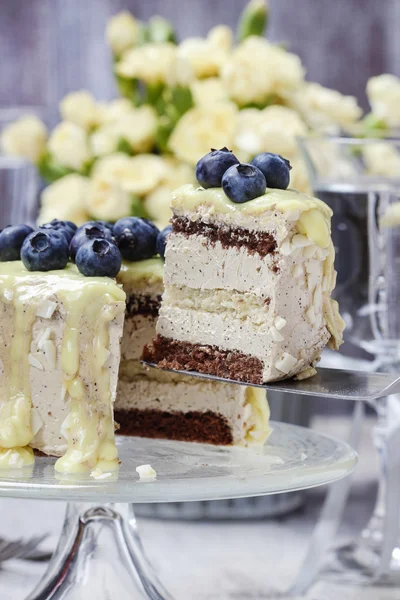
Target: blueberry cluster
(96, 247)
(243, 182)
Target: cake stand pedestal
(100, 555)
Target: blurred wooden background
(51, 47)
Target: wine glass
(360, 180)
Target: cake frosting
(59, 361)
(247, 286)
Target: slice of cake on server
(248, 275)
(153, 403)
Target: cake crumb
(99, 474)
(306, 374)
(146, 472)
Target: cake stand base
(100, 556)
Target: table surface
(234, 560)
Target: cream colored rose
(202, 128)
(208, 91)
(69, 145)
(80, 108)
(157, 205)
(384, 97)
(104, 140)
(146, 172)
(138, 127)
(273, 129)
(110, 112)
(138, 174)
(25, 137)
(323, 108)
(391, 216)
(207, 55)
(65, 199)
(221, 37)
(180, 73)
(113, 166)
(258, 70)
(151, 63)
(108, 200)
(177, 173)
(382, 158)
(299, 179)
(122, 32)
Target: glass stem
(99, 555)
(373, 531)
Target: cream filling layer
(304, 342)
(299, 289)
(241, 305)
(246, 409)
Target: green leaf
(152, 93)
(137, 208)
(164, 130)
(253, 20)
(160, 30)
(124, 146)
(373, 126)
(182, 99)
(128, 88)
(143, 37)
(50, 170)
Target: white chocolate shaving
(46, 309)
(286, 363)
(279, 323)
(146, 472)
(300, 241)
(34, 362)
(50, 352)
(36, 422)
(276, 335)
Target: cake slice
(247, 281)
(157, 404)
(59, 355)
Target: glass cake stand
(100, 555)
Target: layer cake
(247, 286)
(154, 403)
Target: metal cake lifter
(329, 383)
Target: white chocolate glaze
(90, 307)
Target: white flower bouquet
(109, 160)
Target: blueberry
(101, 224)
(275, 168)
(88, 232)
(67, 228)
(11, 240)
(99, 258)
(244, 182)
(211, 168)
(136, 238)
(107, 224)
(45, 251)
(162, 240)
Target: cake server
(329, 383)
